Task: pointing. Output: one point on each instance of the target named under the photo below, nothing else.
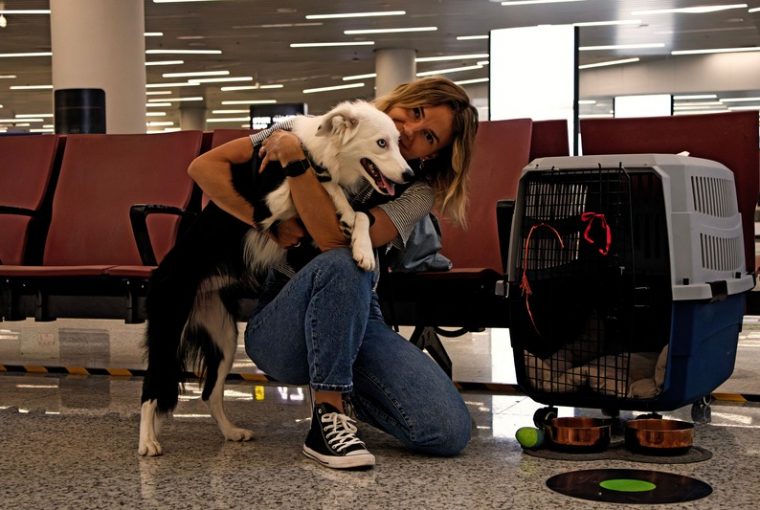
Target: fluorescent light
(157, 105)
(230, 119)
(533, 2)
(155, 114)
(195, 73)
(157, 92)
(702, 9)
(608, 23)
(24, 11)
(31, 87)
(754, 9)
(221, 80)
(251, 87)
(165, 63)
(622, 47)
(38, 115)
(183, 52)
(154, 34)
(736, 108)
(28, 54)
(695, 96)
(7, 76)
(715, 50)
(157, 123)
(697, 105)
(449, 70)
(596, 116)
(586, 101)
(474, 80)
(326, 44)
(610, 63)
(389, 30)
(251, 101)
(227, 112)
(175, 99)
(355, 14)
(739, 99)
(471, 37)
(451, 57)
(173, 84)
(335, 87)
(180, 1)
(360, 76)
(697, 112)
(27, 119)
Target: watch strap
(296, 168)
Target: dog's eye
(382, 143)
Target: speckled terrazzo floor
(69, 441)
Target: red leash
(524, 282)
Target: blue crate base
(702, 352)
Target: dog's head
(365, 143)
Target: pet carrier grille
(720, 254)
(714, 196)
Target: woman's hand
(289, 233)
(282, 146)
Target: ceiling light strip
(360, 77)
(702, 9)
(389, 30)
(24, 11)
(251, 101)
(449, 70)
(195, 73)
(622, 47)
(28, 54)
(536, 2)
(356, 14)
(452, 57)
(164, 62)
(471, 37)
(183, 52)
(715, 50)
(31, 87)
(334, 87)
(329, 44)
(610, 63)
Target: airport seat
(466, 296)
(28, 173)
(91, 266)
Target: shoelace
(340, 431)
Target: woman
(322, 326)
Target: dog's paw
(149, 448)
(365, 259)
(238, 434)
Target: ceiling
(254, 37)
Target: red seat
(28, 172)
(90, 245)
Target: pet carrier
(627, 282)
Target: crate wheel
(543, 416)
(701, 411)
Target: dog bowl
(579, 434)
(659, 437)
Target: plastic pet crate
(627, 280)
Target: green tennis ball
(530, 437)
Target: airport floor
(69, 415)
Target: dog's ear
(340, 123)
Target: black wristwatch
(297, 168)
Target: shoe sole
(345, 462)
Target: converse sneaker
(332, 440)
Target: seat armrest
(20, 211)
(138, 217)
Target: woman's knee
(447, 434)
(339, 263)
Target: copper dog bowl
(579, 434)
(659, 437)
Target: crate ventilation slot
(720, 253)
(713, 196)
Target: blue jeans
(325, 329)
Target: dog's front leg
(356, 227)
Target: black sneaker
(332, 440)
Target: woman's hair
(449, 177)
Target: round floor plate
(633, 486)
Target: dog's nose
(407, 175)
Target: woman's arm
(211, 171)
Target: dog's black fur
(212, 246)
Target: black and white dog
(194, 294)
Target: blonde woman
(322, 325)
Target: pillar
(192, 117)
(393, 67)
(100, 44)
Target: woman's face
(424, 130)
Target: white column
(393, 66)
(192, 117)
(101, 44)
